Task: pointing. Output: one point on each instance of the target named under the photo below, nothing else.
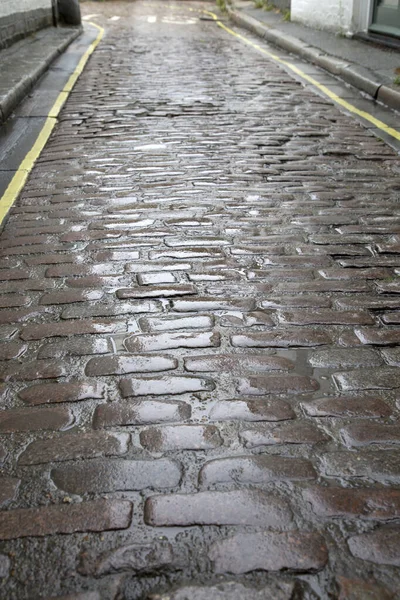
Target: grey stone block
(389, 96)
(361, 78)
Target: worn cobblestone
(255, 469)
(109, 475)
(270, 552)
(199, 331)
(69, 447)
(99, 515)
(61, 392)
(242, 507)
(143, 412)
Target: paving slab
(23, 63)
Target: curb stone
(22, 87)
(356, 75)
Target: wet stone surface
(255, 469)
(199, 326)
(142, 412)
(244, 553)
(139, 558)
(107, 476)
(180, 437)
(61, 392)
(89, 516)
(240, 507)
(229, 591)
(69, 447)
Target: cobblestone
(135, 557)
(286, 433)
(277, 384)
(156, 291)
(281, 339)
(70, 296)
(325, 317)
(39, 332)
(74, 347)
(380, 546)
(364, 434)
(230, 591)
(144, 412)
(339, 358)
(169, 341)
(361, 503)
(255, 469)
(11, 350)
(374, 379)
(242, 507)
(243, 553)
(199, 331)
(38, 369)
(99, 515)
(237, 362)
(252, 410)
(99, 476)
(163, 386)
(378, 465)
(34, 419)
(167, 324)
(120, 365)
(49, 393)
(379, 337)
(69, 447)
(180, 437)
(348, 406)
(356, 589)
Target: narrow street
(200, 332)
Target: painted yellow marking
(323, 88)
(21, 175)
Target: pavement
(370, 67)
(23, 63)
(200, 332)
(22, 128)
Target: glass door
(386, 17)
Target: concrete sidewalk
(369, 67)
(23, 63)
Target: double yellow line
(323, 88)
(21, 175)
(18, 181)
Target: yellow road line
(21, 175)
(323, 88)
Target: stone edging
(22, 87)
(356, 75)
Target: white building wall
(333, 15)
(10, 7)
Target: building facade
(349, 16)
(19, 18)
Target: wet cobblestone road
(199, 315)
